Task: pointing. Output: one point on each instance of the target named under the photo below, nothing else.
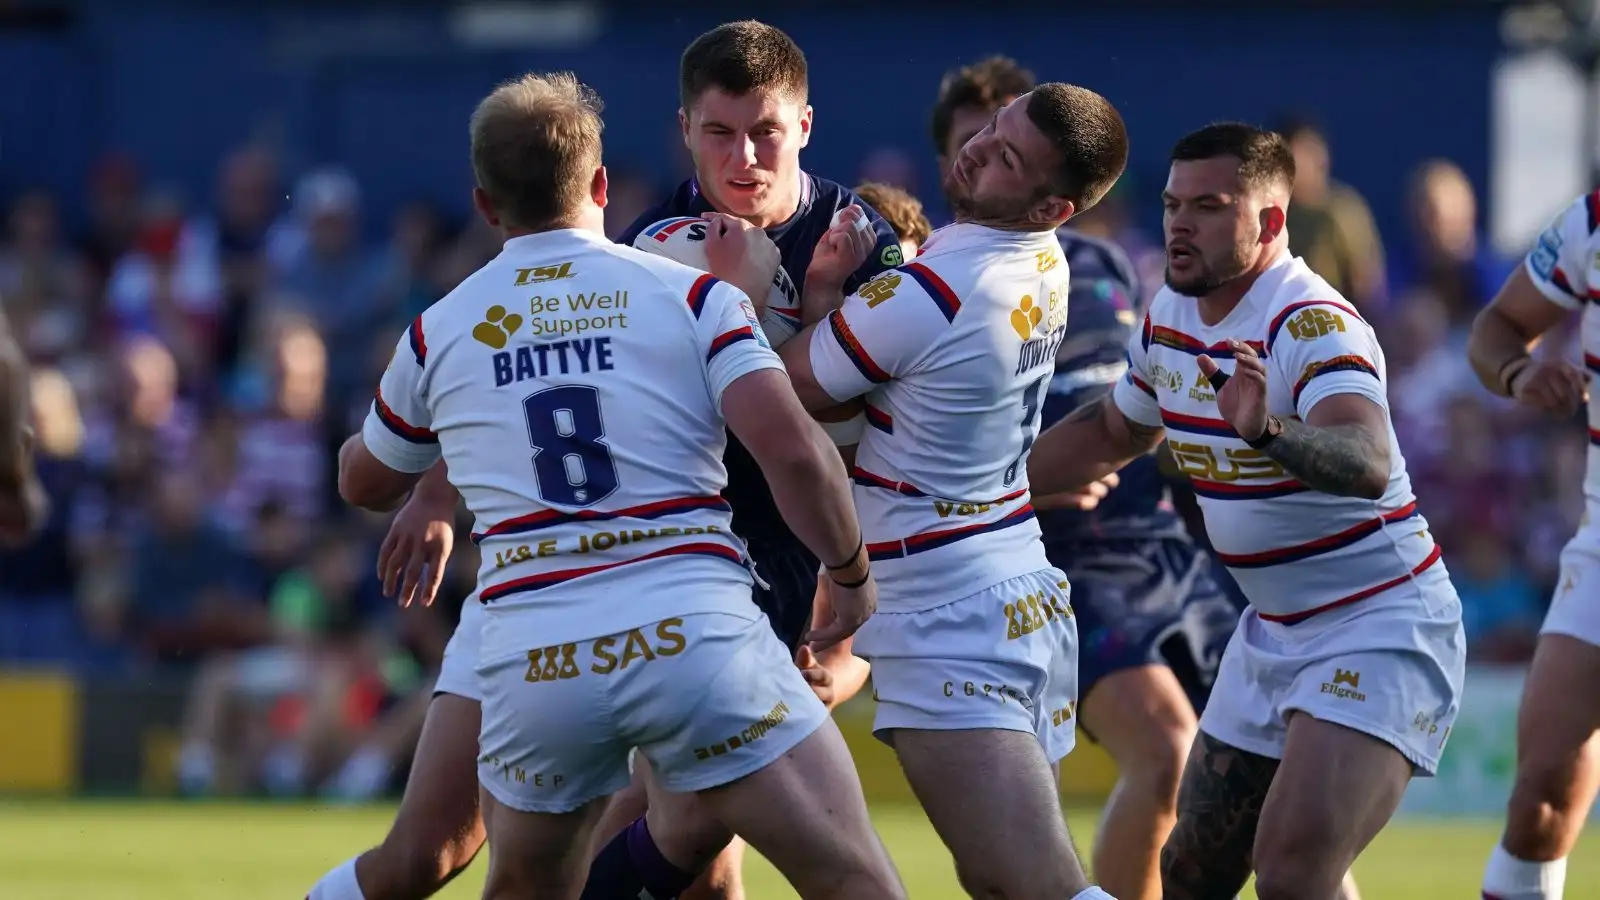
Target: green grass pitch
(172, 851)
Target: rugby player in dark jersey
(1153, 618)
(745, 119)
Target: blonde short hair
(536, 146)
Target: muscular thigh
(439, 810)
(1209, 852)
(1555, 722)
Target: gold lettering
(1241, 464)
(672, 642)
(602, 651)
(605, 540)
(636, 648)
(547, 548)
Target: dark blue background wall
(177, 85)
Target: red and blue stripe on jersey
(552, 518)
(400, 427)
(561, 576)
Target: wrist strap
(867, 573)
(850, 560)
(1508, 379)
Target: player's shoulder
(1304, 306)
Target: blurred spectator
(1500, 606)
(1330, 225)
(338, 283)
(902, 211)
(279, 451)
(1112, 220)
(114, 214)
(416, 240)
(44, 283)
(1448, 254)
(159, 289)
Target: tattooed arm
(1093, 441)
(1208, 854)
(1342, 448)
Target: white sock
(1093, 893)
(340, 884)
(1509, 878)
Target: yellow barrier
(1087, 774)
(39, 740)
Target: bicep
(1350, 410)
(763, 412)
(1522, 307)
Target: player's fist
(414, 553)
(842, 249)
(816, 675)
(1084, 499)
(852, 607)
(1242, 396)
(742, 255)
(1552, 386)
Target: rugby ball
(682, 239)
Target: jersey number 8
(572, 465)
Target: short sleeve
(1559, 261)
(398, 430)
(882, 331)
(1134, 396)
(1322, 348)
(729, 334)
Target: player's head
(744, 87)
(902, 211)
(968, 98)
(1042, 158)
(1311, 158)
(536, 155)
(1225, 200)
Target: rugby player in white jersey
(973, 652)
(578, 392)
(1558, 753)
(1345, 672)
(23, 504)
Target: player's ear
(485, 208)
(1273, 219)
(598, 187)
(1052, 210)
(683, 125)
(805, 125)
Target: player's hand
(24, 505)
(1243, 399)
(852, 607)
(742, 255)
(1084, 499)
(412, 559)
(842, 249)
(1550, 386)
(816, 675)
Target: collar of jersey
(968, 234)
(545, 241)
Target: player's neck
(594, 223)
(1216, 305)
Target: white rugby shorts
(707, 698)
(1004, 658)
(458, 672)
(1575, 609)
(1390, 666)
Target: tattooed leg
(1208, 854)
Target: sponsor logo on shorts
(1063, 716)
(603, 656)
(514, 774)
(1030, 614)
(1427, 726)
(755, 731)
(973, 689)
(1346, 684)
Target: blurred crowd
(197, 363)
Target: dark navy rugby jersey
(755, 515)
(1102, 311)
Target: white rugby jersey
(573, 386)
(953, 352)
(1565, 266)
(1294, 551)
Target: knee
(1542, 813)
(1296, 869)
(414, 864)
(1157, 770)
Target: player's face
(746, 151)
(999, 176)
(965, 121)
(1212, 225)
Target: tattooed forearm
(1208, 854)
(1344, 460)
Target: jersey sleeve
(728, 334)
(1559, 261)
(398, 429)
(1322, 348)
(882, 331)
(1134, 396)
(885, 253)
